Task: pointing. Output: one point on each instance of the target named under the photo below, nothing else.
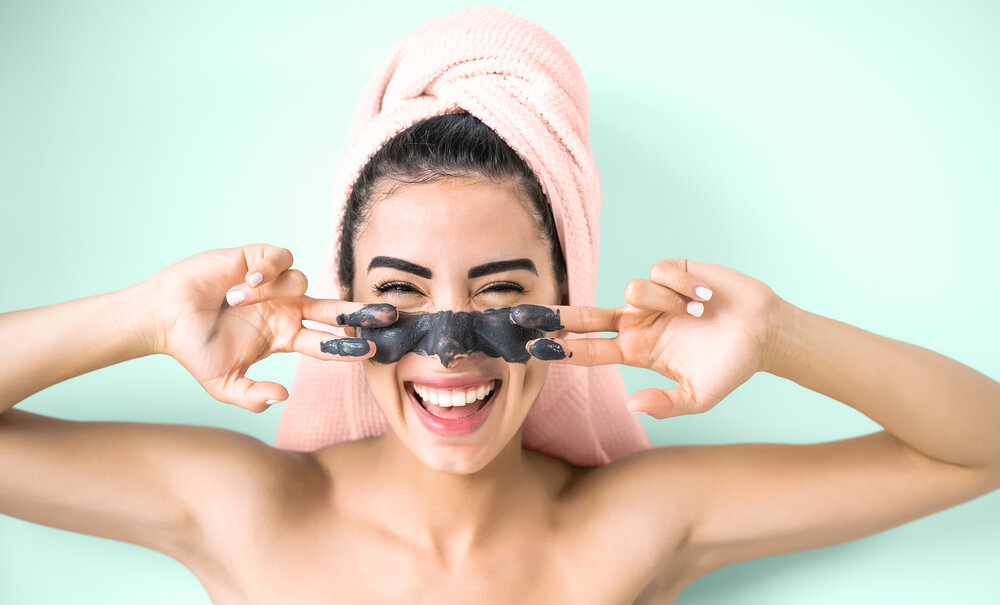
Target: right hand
(217, 342)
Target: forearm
(44, 346)
(934, 404)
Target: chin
(456, 419)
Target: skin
(416, 517)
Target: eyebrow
(502, 265)
(398, 263)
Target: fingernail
(347, 347)
(536, 316)
(703, 292)
(695, 308)
(272, 401)
(254, 279)
(234, 297)
(546, 350)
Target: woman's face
(445, 246)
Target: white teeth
(452, 397)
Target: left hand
(709, 356)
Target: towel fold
(521, 82)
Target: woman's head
(443, 147)
(446, 217)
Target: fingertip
(235, 297)
(254, 279)
(546, 349)
(356, 348)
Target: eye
(395, 288)
(503, 287)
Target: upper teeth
(450, 397)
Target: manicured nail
(695, 308)
(536, 316)
(234, 297)
(272, 401)
(546, 350)
(347, 347)
(254, 279)
(703, 292)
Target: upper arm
(732, 503)
(155, 485)
(699, 508)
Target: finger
(663, 403)
(265, 263)
(645, 294)
(346, 313)
(673, 273)
(290, 283)
(576, 351)
(325, 346)
(250, 394)
(559, 317)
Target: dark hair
(451, 145)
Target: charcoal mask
(449, 334)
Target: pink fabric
(519, 80)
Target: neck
(449, 513)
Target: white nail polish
(234, 297)
(703, 292)
(272, 401)
(254, 278)
(695, 308)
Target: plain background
(845, 153)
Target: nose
(450, 335)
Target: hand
(709, 356)
(220, 311)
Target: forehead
(466, 219)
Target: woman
(440, 511)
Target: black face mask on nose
(449, 334)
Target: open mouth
(453, 403)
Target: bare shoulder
(639, 503)
(699, 508)
(178, 489)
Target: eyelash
(400, 288)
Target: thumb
(664, 403)
(248, 393)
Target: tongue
(455, 412)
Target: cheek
(381, 380)
(529, 378)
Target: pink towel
(520, 81)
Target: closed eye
(395, 288)
(505, 287)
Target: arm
(161, 486)
(934, 405)
(941, 445)
(123, 481)
(48, 345)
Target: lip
(459, 426)
(450, 382)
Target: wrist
(783, 324)
(141, 322)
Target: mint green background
(846, 153)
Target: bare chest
(341, 563)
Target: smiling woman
(457, 432)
